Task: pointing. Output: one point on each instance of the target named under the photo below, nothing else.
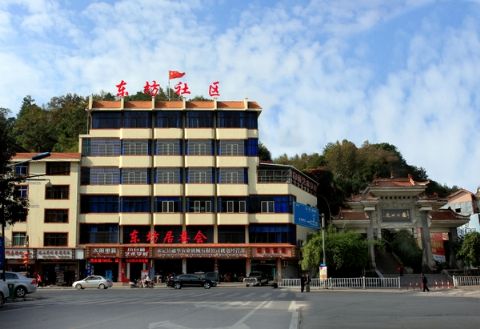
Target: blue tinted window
(199, 119)
(135, 204)
(137, 119)
(98, 203)
(106, 119)
(237, 119)
(168, 119)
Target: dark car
(212, 276)
(190, 280)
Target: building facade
(466, 203)
(395, 204)
(177, 187)
(46, 242)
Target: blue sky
(404, 72)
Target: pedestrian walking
(307, 283)
(303, 280)
(424, 283)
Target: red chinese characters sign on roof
(181, 88)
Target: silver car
(93, 281)
(21, 284)
(4, 293)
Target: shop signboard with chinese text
(17, 253)
(54, 253)
(200, 252)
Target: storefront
(56, 266)
(231, 261)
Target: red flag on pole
(175, 74)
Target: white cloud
(297, 62)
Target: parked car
(93, 281)
(4, 293)
(212, 276)
(194, 280)
(22, 285)
(256, 278)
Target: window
(232, 148)
(199, 205)
(56, 215)
(199, 119)
(271, 203)
(199, 147)
(103, 175)
(135, 176)
(108, 120)
(274, 233)
(202, 206)
(58, 168)
(168, 204)
(268, 206)
(19, 239)
(55, 239)
(168, 147)
(99, 233)
(242, 206)
(136, 119)
(22, 191)
(231, 176)
(134, 147)
(273, 176)
(98, 204)
(168, 176)
(200, 175)
(237, 119)
(101, 147)
(168, 119)
(57, 192)
(231, 234)
(134, 204)
(232, 205)
(21, 169)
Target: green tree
(346, 253)
(263, 153)
(68, 120)
(33, 129)
(470, 250)
(12, 207)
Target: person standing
(424, 283)
(303, 279)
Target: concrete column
(248, 266)
(128, 272)
(452, 238)
(184, 265)
(279, 270)
(370, 238)
(427, 256)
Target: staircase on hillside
(386, 262)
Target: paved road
(243, 308)
(232, 308)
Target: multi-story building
(172, 187)
(467, 204)
(46, 241)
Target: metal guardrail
(355, 283)
(466, 281)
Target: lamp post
(3, 219)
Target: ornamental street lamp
(3, 211)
